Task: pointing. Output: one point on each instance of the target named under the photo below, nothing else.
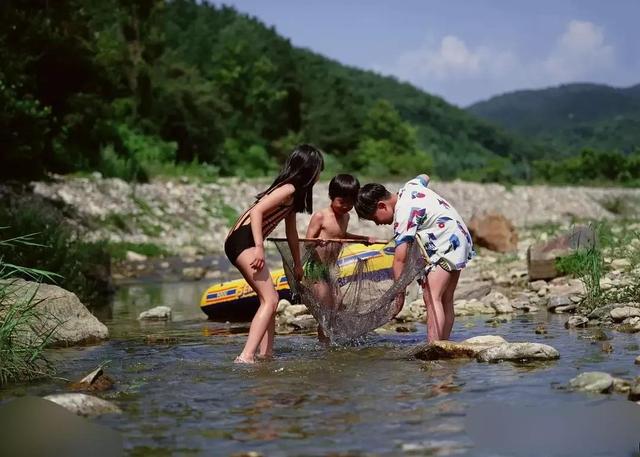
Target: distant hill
(569, 117)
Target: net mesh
(349, 288)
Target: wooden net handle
(332, 240)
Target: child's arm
(268, 202)
(399, 262)
(294, 244)
(315, 225)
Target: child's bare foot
(241, 359)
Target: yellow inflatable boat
(236, 301)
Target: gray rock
(157, 313)
(623, 312)
(637, 360)
(566, 308)
(305, 323)
(498, 302)
(193, 273)
(537, 285)
(135, 257)
(634, 390)
(282, 306)
(558, 300)
(58, 311)
(296, 310)
(471, 307)
(576, 321)
(620, 264)
(473, 290)
(593, 381)
(83, 405)
(518, 352)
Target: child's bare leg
(264, 319)
(435, 285)
(447, 303)
(266, 344)
(322, 290)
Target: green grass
(22, 341)
(119, 250)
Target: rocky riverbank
(192, 218)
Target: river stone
(296, 310)
(83, 405)
(471, 307)
(537, 285)
(566, 308)
(634, 390)
(467, 349)
(58, 309)
(193, 273)
(493, 231)
(518, 352)
(623, 312)
(158, 313)
(593, 381)
(620, 264)
(558, 300)
(135, 257)
(471, 290)
(282, 306)
(498, 302)
(576, 321)
(304, 323)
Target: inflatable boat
(236, 301)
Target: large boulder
(57, 311)
(493, 231)
(541, 257)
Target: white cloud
(580, 51)
(464, 73)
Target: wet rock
(498, 302)
(84, 405)
(471, 307)
(637, 360)
(598, 335)
(59, 312)
(621, 386)
(634, 390)
(159, 313)
(541, 257)
(576, 321)
(442, 350)
(496, 321)
(472, 290)
(296, 310)
(566, 309)
(408, 328)
(410, 311)
(283, 305)
(494, 232)
(540, 330)
(193, 273)
(518, 352)
(304, 323)
(593, 381)
(606, 347)
(135, 257)
(96, 381)
(624, 312)
(538, 285)
(558, 300)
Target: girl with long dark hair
(290, 193)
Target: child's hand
(371, 240)
(298, 272)
(258, 262)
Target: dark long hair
(301, 169)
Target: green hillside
(570, 117)
(147, 87)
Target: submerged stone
(593, 381)
(157, 313)
(84, 405)
(518, 352)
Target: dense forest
(146, 87)
(570, 117)
(143, 88)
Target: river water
(182, 395)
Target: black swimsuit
(241, 237)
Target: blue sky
(467, 50)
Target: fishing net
(349, 288)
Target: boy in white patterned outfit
(417, 210)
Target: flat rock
(159, 313)
(518, 352)
(576, 321)
(558, 300)
(537, 285)
(471, 290)
(471, 307)
(467, 349)
(498, 302)
(593, 381)
(83, 405)
(621, 313)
